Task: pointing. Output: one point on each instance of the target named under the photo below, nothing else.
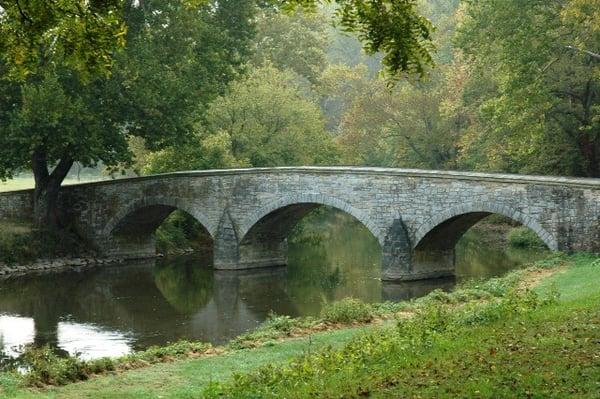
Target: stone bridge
(416, 215)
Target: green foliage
(44, 367)
(529, 80)
(177, 59)
(394, 28)
(155, 354)
(47, 368)
(406, 126)
(296, 42)
(82, 35)
(274, 327)
(263, 120)
(347, 310)
(523, 237)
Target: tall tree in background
(296, 42)
(263, 120)
(407, 126)
(540, 112)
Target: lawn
(24, 183)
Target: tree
(80, 34)
(541, 111)
(178, 58)
(263, 120)
(85, 33)
(404, 126)
(392, 27)
(296, 42)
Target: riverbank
(484, 316)
(21, 249)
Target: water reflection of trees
(477, 258)
(187, 289)
(333, 256)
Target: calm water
(111, 311)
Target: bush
(47, 368)
(522, 237)
(346, 311)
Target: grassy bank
(495, 333)
(26, 183)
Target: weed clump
(274, 327)
(44, 367)
(348, 310)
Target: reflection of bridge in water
(136, 305)
(140, 300)
(416, 216)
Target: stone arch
(481, 208)
(174, 203)
(316, 199)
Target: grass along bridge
(416, 215)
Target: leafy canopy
(84, 34)
(393, 27)
(80, 34)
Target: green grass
(18, 183)
(484, 340)
(25, 183)
(184, 379)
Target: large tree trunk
(47, 212)
(589, 152)
(591, 141)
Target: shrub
(346, 311)
(387, 308)
(47, 368)
(522, 237)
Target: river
(114, 310)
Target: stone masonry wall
(400, 208)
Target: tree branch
(590, 53)
(23, 15)
(61, 170)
